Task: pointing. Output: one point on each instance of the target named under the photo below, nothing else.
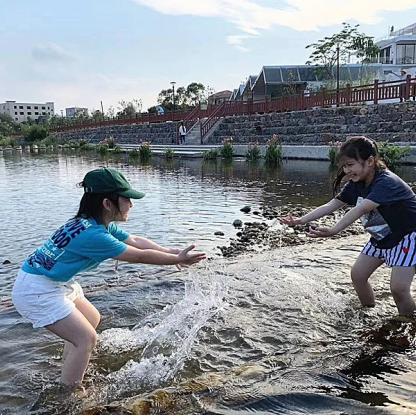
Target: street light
(173, 93)
(337, 75)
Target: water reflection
(277, 332)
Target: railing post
(375, 91)
(407, 89)
(348, 95)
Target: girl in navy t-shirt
(387, 208)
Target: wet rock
(238, 223)
(246, 209)
(218, 233)
(259, 236)
(6, 262)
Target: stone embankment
(395, 123)
(384, 122)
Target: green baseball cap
(107, 180)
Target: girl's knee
(358, 277)
(87, 340)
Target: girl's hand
(317, 232)
(185, 258)
(290, 220)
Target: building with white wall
(397, 53)
(399, 48)
(76, 111)
(27, 111)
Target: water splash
(167, 337)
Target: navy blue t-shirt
(396, 214)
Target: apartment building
(27, 111)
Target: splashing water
(167, 337)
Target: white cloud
(237, 41)
(51, 52)
(302, 15)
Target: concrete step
(183, 147)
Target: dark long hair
(91, 204)
(359, 148)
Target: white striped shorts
(401, 255)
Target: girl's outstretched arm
(144, 244)
(319, 212)
(351, 216)
(150, 256)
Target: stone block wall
(160, 133)
(384, 122)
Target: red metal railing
(378, 91)
(215, 115)
(139, 119)
(192, 117)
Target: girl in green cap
(45, 291)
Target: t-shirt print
(374, 223)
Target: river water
(274, 332)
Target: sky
(81, 52)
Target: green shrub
(392, 154)
(210, 154)
(35, 133)
(333, 153)
(7, 141)
(117, 149)
(102, 149)
(253, 153)
(85, 146)
(227, 150)
(274, 154)
(134, 154)
(111, 142)
(145, 152)
(169, 153)
(48, 141)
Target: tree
(350, 42)
(185, 98)
(111, 112)
(129, 109)
(96, 115)
(195, 92)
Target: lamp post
(173, 93)
(338, 75)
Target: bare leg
(400, 282)
(92, 315)
(75, 329)
(361, 271)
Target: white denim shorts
(44, 301)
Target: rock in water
(238, 223)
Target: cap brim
(131, 193)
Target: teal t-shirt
(80, 244)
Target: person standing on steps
(182, 133)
